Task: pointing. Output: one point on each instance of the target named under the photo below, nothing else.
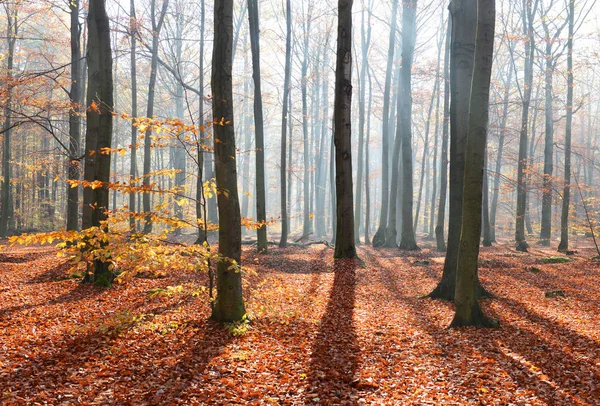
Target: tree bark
(261, 212)
(156, 28)
(380, 236)
(409, 29)
(564, 219)
(441, 215)
(464, 21)
(468, 312)
(74, 119)
(344, 246)
(99, 128)
(284, 118)
(527, 19)
(229, 303)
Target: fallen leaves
(322, 332)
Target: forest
(299, 202)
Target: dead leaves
(322, 332)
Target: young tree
(98, 137)
(284, 118)
(381, 235)
(229, 303)
(7, 211)
(527, 21)
(344, 245)
(409, 36)
(156, 28)
(441, 215)
(261, 212)
(74, 118)
(133, 171)
(468, 312)
(564, 219)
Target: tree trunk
(156, 28)
(468, 311)
(201, 203)
(527, 18)
(344, 245)
(464, 20)
(74, 120)
(284, 117)
(380, 236)
(229, 303)
(546, 229)
(441, 215)
(564, 219)
(368, 167)
(365, 40)
(486, 231)
(306, 229)
(501, 138)
(99, 128)
(409, 30)
(7, 211)
(133, 171)
(261, 213)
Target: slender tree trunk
(74, 120)
(133, 171)
(527, 18)
(435, 146)
(156, 28)
(304, 88)
(365, 40)
(546, 229)
(344, 246)
(564, 219)
(380, 236)
(409, 29)
(486, 231)
(368, 167)
(99, 128)
(468, 311)
(284, 117)
(259, 128)
(441, 215)
(229, 303)
(201, 202)
(501, 138)
(7, 211)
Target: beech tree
(229, 303)
(344, 241)
(98, 136)
(468, 311)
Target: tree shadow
(335, 356)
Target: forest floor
(354, 332)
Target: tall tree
(157, 23)
(201, 202)
(380, 236)
(564, 218)
(98, 135)
(74, 118)
(344, 245)
(468, 312)
(527, 14)
(307, 221)
(12, 32)
(133, 170)
(261, 212)
(229, 303)
(365, 35)
(284, 118)
(441, 215)
(409, 35)
(462, 48)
